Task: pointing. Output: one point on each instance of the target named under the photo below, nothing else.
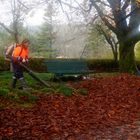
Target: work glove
(24, 60)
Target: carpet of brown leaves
(110, 111)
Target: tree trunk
(115, 56)
(127, 57)
(114, 51)
(16, 37)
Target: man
(20, 55)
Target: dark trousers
(17, 69)
(18, 74)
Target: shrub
(103, 65)
(37, 64)
(4, 65)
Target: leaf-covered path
(110, 111)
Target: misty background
(56, 30)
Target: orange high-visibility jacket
(20, 51)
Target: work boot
(13, 83)
(24, 84)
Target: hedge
(38, 64)
(102, 65)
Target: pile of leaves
(109, 111)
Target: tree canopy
(121, 17)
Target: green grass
(25, 99)
(21, 97)
(4, 92)
(65, 90)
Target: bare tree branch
(128, 15)
(93, 20)
(82, 8)
(105, 4)
(63, 9)
(109, 39)
(69, 5)
(21, 3)
(102, 16)
(7, 29)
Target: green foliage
(44, 38)
(40, 47)
(97, 46)
(4, 65)
(37, 64)
(47, 90)
(63, 89)
(95, 39)
(5, 40)
(20, 96)
(137, 51)
(4, 92)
